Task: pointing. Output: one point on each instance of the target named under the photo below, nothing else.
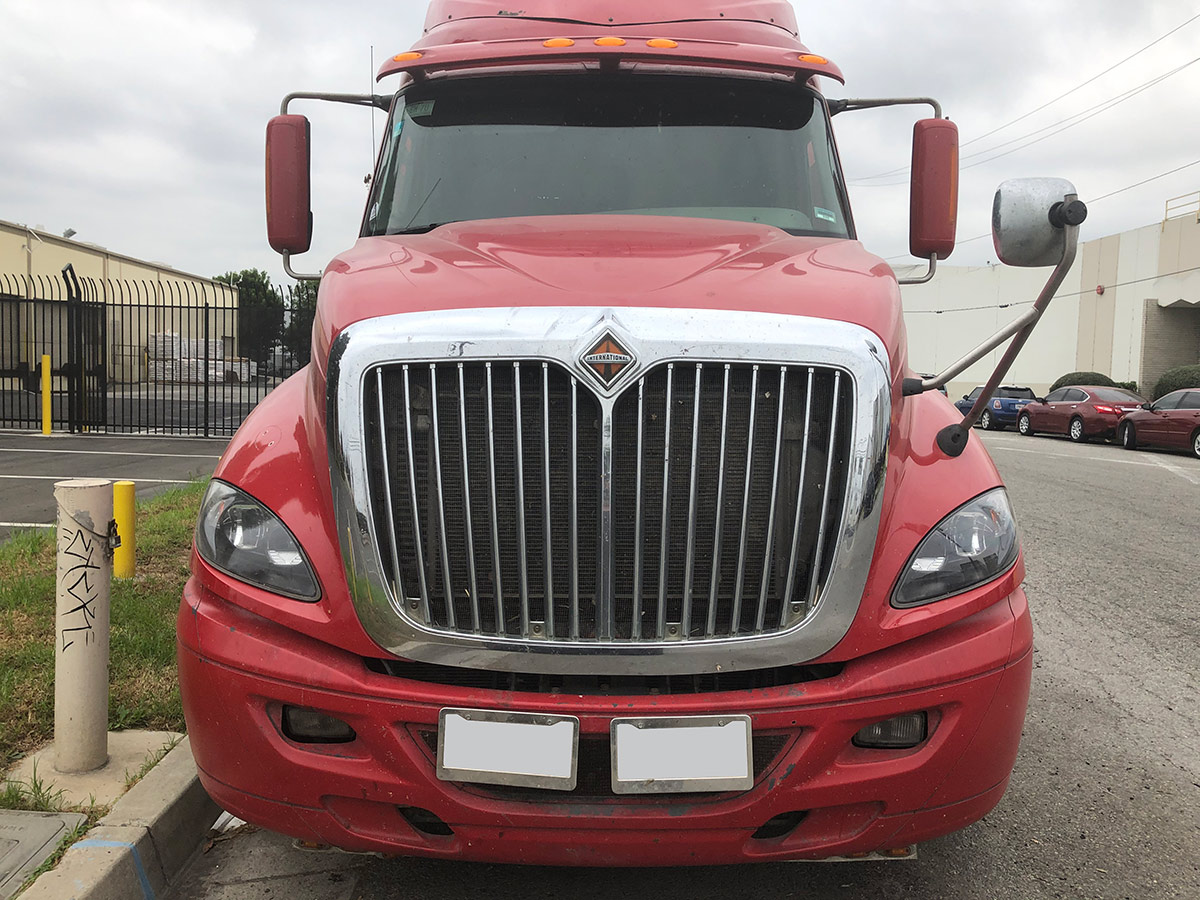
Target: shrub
(1083, 378)
(1129, 386)
(1177, 380)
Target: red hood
(611, 261)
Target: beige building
(1129, 308)
(150, 310)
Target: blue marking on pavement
(147, 891)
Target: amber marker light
(610, 42)
(813, 59)
(559, 42)
(407, 57)
(662, 44)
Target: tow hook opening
(780, 826)
(424, 821)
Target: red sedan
(1080, 412)
(1172, 421)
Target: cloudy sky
(139, 123)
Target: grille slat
(689, 563)
(494, 505)
(435, 434)
(636, 622)
(416, 513)
(746, 469)
(665, 528)
(794, 556)
(398, 583)
(522, 552)
(574, 509)
(718, 529)
(473, 578)
(760, 616)
(547, 536)
(814, 585)
(736, 617)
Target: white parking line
(69, 477)
(1150, 461)
(1178, 470)
(25, 525)
(1109, 459)
(108, 453)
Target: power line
(940, 312)
(1128, 187)
(1049, 103)
(1067, 123)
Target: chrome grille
(486, 481)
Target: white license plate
(516, 749)
(666, 756)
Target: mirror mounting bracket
(299, 276)
(1066, 215)
(848, 105)
(927, 277)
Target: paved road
(1105, 800)
(31, 463)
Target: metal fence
(144, 357)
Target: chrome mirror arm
(299, 276)
(952, 440)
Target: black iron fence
(144, 357)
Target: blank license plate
(664, 756)
(516, 749)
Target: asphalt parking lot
(31, 463)
(1105, 799)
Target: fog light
(899, 733)
(308, 726)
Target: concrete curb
(139, 848)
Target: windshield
(534, 145)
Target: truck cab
(609, 524)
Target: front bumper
(237, 670)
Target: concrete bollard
(82, 582)
(125, 514)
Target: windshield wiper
(421, 229)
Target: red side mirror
(934, 205)
(289, 214)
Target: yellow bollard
(125, 556)
(45, 394)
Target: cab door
(1041, 415)
(1183, 422)
(1155, 428)
(1060, 411)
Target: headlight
(971, 546)
(242, 538)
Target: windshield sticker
(374, 211)
(827, 215)
(398, 127)
(424, 108)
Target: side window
(1191, 401)
(1171, 401)
(1074, 395)
(1057, 396)
(974, 395)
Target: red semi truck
(609, 524)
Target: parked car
(1080, 412)
(1002, 410)
(1172, 421)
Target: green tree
(260, 312)
(297, 333)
